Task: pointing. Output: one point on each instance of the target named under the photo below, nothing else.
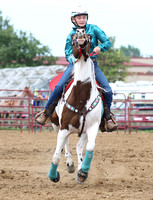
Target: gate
(119, 109)
(12, 115)
(140, 111)
(22, 115)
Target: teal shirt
(97, 35)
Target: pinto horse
(80, 110)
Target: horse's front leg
(85, 167)
(61, 140)
(68, 156)
(79, 149)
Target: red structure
(62, 61)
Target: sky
(130, 22)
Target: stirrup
(104, 125)
(39, 114)
(113, 120)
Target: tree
(20, 49)
(130, 51)
(112, 63)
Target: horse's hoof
(70, 169)
(81, 176)
(55, 180)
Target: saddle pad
(55, 80)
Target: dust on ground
(122, 167)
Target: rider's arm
(101, 36)
(68, 50)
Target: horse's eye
(82, 31)
(78, 31)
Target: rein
(93, 54)
(80, 54)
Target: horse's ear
(89, 36)
(73, 37)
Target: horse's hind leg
(68, 156)
(61, 139)
(79, 148)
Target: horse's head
(81, 43)
(27, 91)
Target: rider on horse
(79, 18)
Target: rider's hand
(96, 49)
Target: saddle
(71, 81)
(107, 114)
(50, 109)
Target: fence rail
(140, 111)
(130, 114)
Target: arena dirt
(122, 168)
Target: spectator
(40, 97)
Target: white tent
(34, 77)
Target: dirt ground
(122, 168)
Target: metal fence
(131, 113)
(140, 111)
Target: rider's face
(81, 20)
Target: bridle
(91, 54)
(81, 43)
(81, 47)
(80, 35)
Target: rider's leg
(51, 104)
(100, 77)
